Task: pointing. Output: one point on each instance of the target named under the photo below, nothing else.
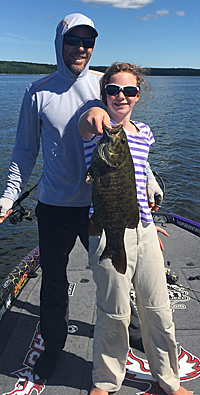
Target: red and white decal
(28, 380)
(137, 370)
(27, 383)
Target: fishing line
(23, 196)
(161, 181)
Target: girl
(120, 91)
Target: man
(50, 111)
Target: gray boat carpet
(21, 343)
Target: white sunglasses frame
(121, 89)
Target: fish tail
(118, 258)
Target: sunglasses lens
(70, 39)
(130, 91)
(112, 90)
(88, 42)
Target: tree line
(26, 68)
(7, 67)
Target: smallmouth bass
(114, 194)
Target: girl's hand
(161, 230)
(154, 194)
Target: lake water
(173, 114)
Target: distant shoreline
(11, 67)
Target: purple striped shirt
(139, 145)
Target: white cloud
(162, 13)
(121, 4)
(158, 14)
(180, 13)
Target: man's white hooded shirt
(49, 114)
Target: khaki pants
(111, 340)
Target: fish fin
(118, 258)
(94, 229)
(133, 221)
(89, 177)
(105, 180)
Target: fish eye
(123, 141)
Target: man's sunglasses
(128, 90)
(71, 39)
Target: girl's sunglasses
(71, 39)
(128, 90)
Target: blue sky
(150, 33)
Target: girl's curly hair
(115, 68)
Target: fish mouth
(114, 130)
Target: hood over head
(64, 27)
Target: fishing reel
(158, 200)
(172, 278)
(18, 214)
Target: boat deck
(21, 343)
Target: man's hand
(154, 194)
(90, 122)
(161, 230)
(5, 208)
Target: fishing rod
(183, 286)
(172, 279)
(19, 212)
(189, 289)
(158, 198)
(166, 216)
(161, 181)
